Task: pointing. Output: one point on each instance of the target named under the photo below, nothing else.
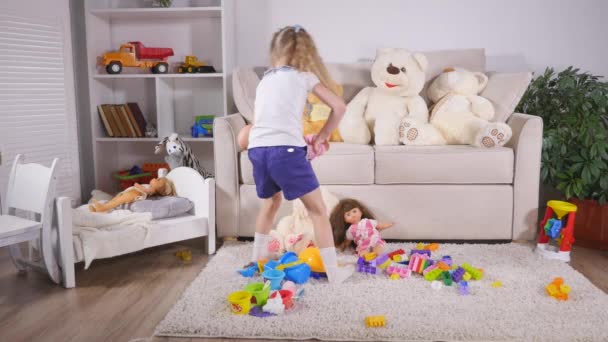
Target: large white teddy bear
(376, 112)
(296, 231)
(459, 115)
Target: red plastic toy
(561, 211)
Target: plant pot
(591, 227)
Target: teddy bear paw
(408, 132)
(493, 135)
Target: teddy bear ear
(423, 63)
(482, 79)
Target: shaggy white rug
(521, 310)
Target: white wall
(517, 34)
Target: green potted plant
(574, 108)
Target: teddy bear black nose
(391, 69)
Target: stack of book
(123, 120)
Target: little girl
(352, 221)
(277, 148)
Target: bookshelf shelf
(170, 102)
(119, 76)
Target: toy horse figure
(180, 154)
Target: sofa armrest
(527, 144)
(225, 146)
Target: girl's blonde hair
(296, 47)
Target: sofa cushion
(451, 164)
(505, 90)
(342, 164)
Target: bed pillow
(163, 206)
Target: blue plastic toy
(200, 131)
(464, 288)
(299, 273)
(135, 170)
(270, 265)
(318, 275)
(249, 271)
(275, 277)
(553, 228)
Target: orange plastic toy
(312, 256)
(558, 290)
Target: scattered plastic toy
(370, 256)
(184, 255)
(558, 290)
(274, 305)
(476, 273)
(249, 271)
(375, 321)
(463, 288)
(366, 269)
(257, 311)
(432, 247)
(496, 284)
(553, 228)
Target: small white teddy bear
(459, 116)
(376, 112)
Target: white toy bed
(200, 221)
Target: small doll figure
(352, 221)
(158, 186)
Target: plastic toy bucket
(270, 265)
(259, 295)
(240, 302)
(275, 277)
(299, 274)
(288, 257)
(286, 296)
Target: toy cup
(240, 302)
(286, 296)
(275, 277)
(259, 295)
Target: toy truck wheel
(180, 70)
(191, 69)
(114, 68)
(160, 68)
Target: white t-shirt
(279, 101)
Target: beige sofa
(434, 192)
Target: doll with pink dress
(352, 222)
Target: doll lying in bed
(158, 186)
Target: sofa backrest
(355, 76)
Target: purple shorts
(282, 168)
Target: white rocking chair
(31, 188)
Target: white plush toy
(180, 154)
(376, 112)
(296, 231)
(459, 116)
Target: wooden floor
(124, 298)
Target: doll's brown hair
(336, 218)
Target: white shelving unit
(202, 28)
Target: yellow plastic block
(386, 264)
(395, 276)
(184, 255)
(466, 276)
(564, 288)
(419, 245)
(397, 258)
(496, 284)
(375, 321)
(552, 290)
(370, 256)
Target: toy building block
(463, 288)
(400, 271)
(375, 321)
(466, 276)
(458, 274)
(431, 247)
(447, 281)
(558, 290)
(420, 245)
(395, 253)
(476, 273)
(318, 275)
(421, 251)
(184, 255)
(370, 256)
(366, 269)
(447, 259)
(385, 264)
(433, 275)
(395, 276)
(396, 258)
(379, 260)
(418, 263)
(496, 284)
(429, 269)
(443, 266)
(361, 261)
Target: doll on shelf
(352, 221)
(158, 186)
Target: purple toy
(447, 259)
(361, 261)
(258, 312)
(318, 275)
(421, 251)
(464, 288)
(366, 269)
(379, 260)
(457, 274)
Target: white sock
(260, 246)
(335, 274)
